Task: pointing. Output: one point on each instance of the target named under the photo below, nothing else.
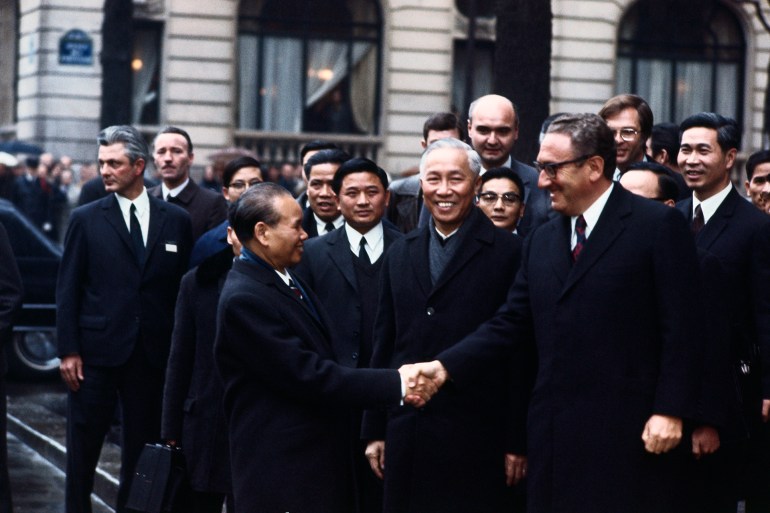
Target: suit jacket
(106, 302)
(406, 207)
(446, 457)
(538, 201)
(192, 395)
(207, 209)
(308, 223)
(286, 401)
(327, 267)
(616, 342)
(738, 235)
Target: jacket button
(430, 310)
(355, 356)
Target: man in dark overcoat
(287, 402)
(438, 283)
(606, 292)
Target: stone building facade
(270, 75)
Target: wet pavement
(36, 484)
(36, 451)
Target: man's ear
(262, 233)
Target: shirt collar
(710, 205)
(166, 192)
(373, 237)
(142, 203)
(592, 213)
(321, 225)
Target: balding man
(493, 127)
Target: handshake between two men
(422, 381)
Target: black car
(32, 354)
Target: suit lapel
(114, 217)
(718, 222)
(339, 251)
(157, 221)
(607, 229)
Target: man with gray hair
(456, 454)
(606, 295)
(124, 256)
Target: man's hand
(422, 381)
(765, 410)
(71, 370)
(662, 433)
(375, 453)
(705, 440)
(515, 469)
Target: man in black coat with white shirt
(287, 401)
(124, 256)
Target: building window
(482, 71)
(682, 68)
(145, 64)
(309, 66)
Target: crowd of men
(587, 334)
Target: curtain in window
(281, 84)
(146, 50)
(248, 89)
(693, 89)
(363, 86)
(654, 85)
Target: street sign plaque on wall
(76, 48)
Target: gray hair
(589, 135)
(474, 160)
(135, 146)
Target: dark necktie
(697, 221)
(295, 289)
(580, 231)
(362, 254)
(329, 227)
(136, 236)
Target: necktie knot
(295, 289)
(329, 227)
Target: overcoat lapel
(607, 229)
(476, 236)
(559, 249)
(418, 258)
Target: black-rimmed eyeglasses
(551, 169)
(490, 198)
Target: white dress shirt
(591, 215)
(142, 203)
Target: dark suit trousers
(137, 387)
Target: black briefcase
(159, 484)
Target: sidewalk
(36, 417)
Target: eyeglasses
(552, 168)
(490, 198)
(239, 185)
(627, 134)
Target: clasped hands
(422, 381)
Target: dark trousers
(137, 387)
(5, 484)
